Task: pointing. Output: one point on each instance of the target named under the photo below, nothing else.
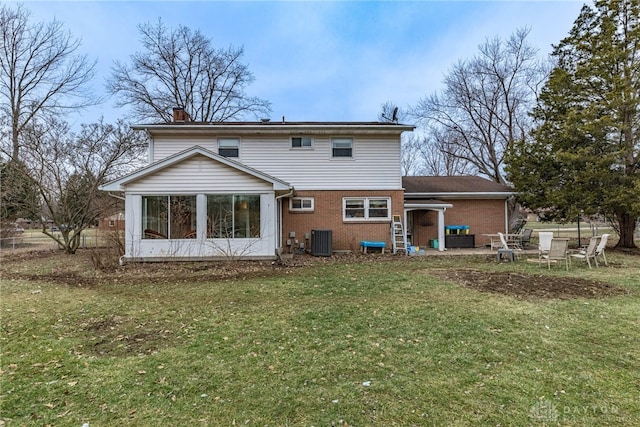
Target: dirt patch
(117, 336)
(529, 286)
(74, 271)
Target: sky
(318, 60)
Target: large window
(229, 147)
(233, 216)
(341, 147)
(169, 217)
(366, 208)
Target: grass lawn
(381, 341)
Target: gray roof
(440, 186)
(276, 127)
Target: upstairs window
(342, 147)
(229, 147)
(301, 142)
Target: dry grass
(357, 341)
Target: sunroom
(198, 205)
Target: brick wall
(482, 217)
(327, 215)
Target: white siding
(165, 147)
(375, 164)
(198, 174)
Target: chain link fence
(36, 240)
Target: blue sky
(319, 61)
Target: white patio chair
(509, 246)
(589, 252)
(601, 247)
(557, 252)
(544, 244)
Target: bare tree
(68, 169)
(40, 72)
(440, 154)
(409, 144)
(390, 113)
(484, 106)
(181, 68)
(410, 155)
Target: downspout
(506, 216)
(115, 195)
(279, 216)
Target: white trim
(302, 138)
(302, 208)
(315, 128)
(461, 195)
(334, 139)
(366, 207)
(441, 208)
(229, 138)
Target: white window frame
(367, 201)
(229, 140)
(302, 208)
(342, 139)
(302, 139)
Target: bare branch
(180, 67)
(485, 105)
(40, 72)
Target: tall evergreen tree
(585, 153)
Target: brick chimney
(180, 115)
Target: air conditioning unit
(321, 244)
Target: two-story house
(249, 189)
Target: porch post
(441, 230)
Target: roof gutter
(461, 195)
(275, 128)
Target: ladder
(398, 236)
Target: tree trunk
(627, 225)
(15, 140)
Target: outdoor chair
(525, 238)
(508, 244)
(544, 242)
(510, 248)
(557, 252)
(601, 247)
(588, 253)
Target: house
(113, 222)
(252, 189)
(249, 189)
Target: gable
(197, 169)
(198, 174)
